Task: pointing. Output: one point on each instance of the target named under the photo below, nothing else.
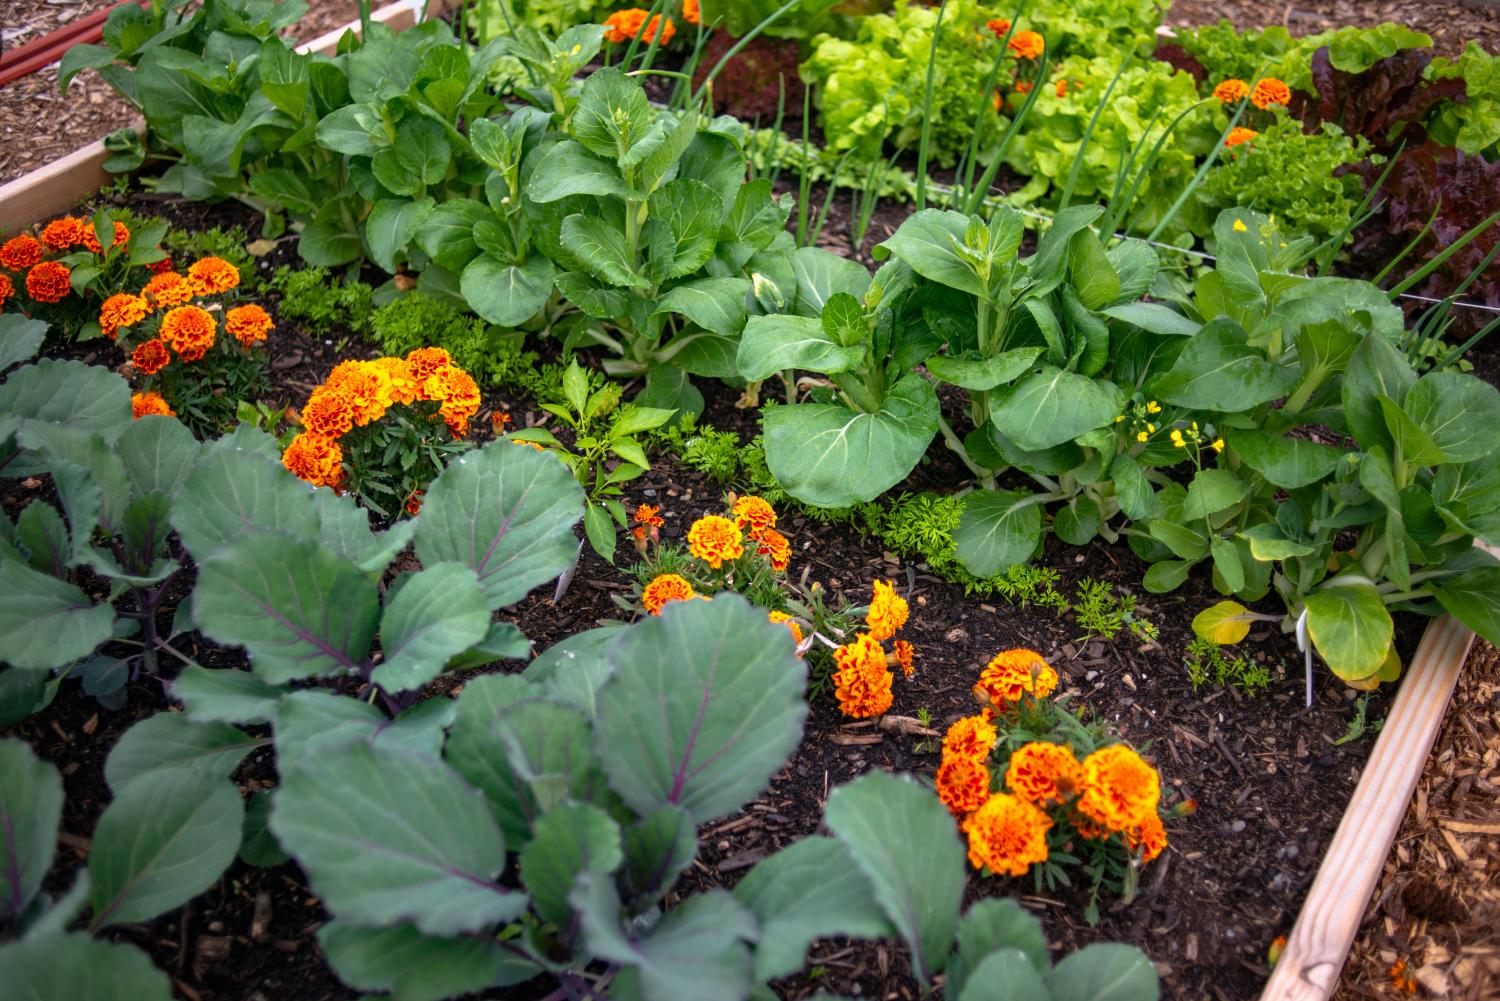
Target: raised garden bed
(1271, 779)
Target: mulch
(39, 124)
(1437, 907)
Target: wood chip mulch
(1431, 929)
(39, 124)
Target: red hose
(49, 48)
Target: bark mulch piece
(1438, 905)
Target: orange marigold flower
(1150, 839)
(1042, 772)
(791, 623)
(1268, 91)
(49, 281)
(692, 13)
(753, 515)
(861, 680)
(1012, 674)
(649, 515)
(460, 395)
(1232, 90)
(1119, 789)
(150, 357)
(143, 404)
(1062, 88)
(189, 331)
(624, 25)
(971, 736)
(1400, 979)
(404, 389)
(213, 275)
(21, 252)
(1007, 835)
(60, 234)
(998, 25)
(121, 310)
(329, 413)
(1023, 86)
(773, 544)
(248, 324)
(168, 289)
(963, 784)
(906, 656)
(1027, 45)
(414, 503)
(713, 540)
(532, 444)
(7, 289)
(665, 588)
(91, 239)
(318, 460)
(1239, 134)
(888, 611)
(423, 362)
(368, 386)
(160, 267)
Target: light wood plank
(1315, 952)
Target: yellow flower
(1218, 445)
(1119, 418)
(1152, 407)
(1239, 226)
(781, 618)
(1141, 436)
(888, 611)
(1151, 428)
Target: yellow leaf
(1225, 623)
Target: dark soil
(1269, 780)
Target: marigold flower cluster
(358, 393)
(862, 676)
(625, 25)
(49, 281)
(1112, 795)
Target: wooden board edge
(55, 187)
(1326, 926)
